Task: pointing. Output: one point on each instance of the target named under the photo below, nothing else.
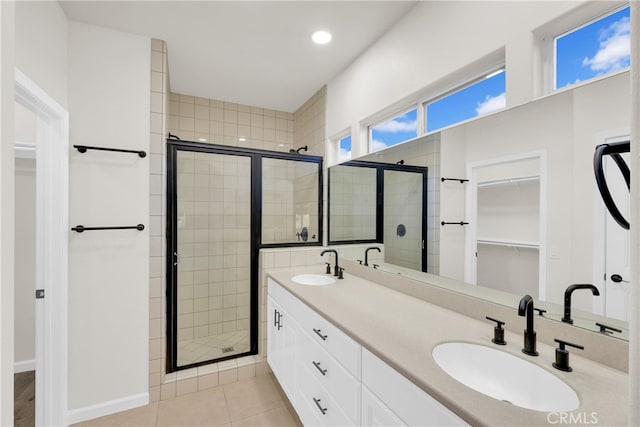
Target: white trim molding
(24, 366)
(107, 408)
(52, 225)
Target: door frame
(52, 253)
(600, 224)
(471, 202)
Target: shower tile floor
(212, 347)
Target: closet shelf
(529, 244)
(516, 181)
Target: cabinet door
(404, 398)
(375, 413)
(282, 341)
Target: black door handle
(616, 278)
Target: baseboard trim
(24, 366)
(107, 408)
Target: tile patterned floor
(258, 401)
(209, 348)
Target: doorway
(50, 251)
(612, 272)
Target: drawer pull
(317, 365)
(275, 317)
(319, 333)
(317, 402)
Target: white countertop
(403, 330)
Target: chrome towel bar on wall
(443, 223)
(84, 148)
(82, 228)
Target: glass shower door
(212, 257)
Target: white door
(617, 268)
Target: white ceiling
(255, 53)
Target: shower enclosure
(224, 204)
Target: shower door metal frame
(380, 169)
(256, 156)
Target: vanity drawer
(332, 340)
(332, 376)
(404, 398)
(318, 406)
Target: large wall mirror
(513, 205)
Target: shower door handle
(176, 257)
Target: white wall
(430, 50)
(109, 101)
(7, 85)
(41, 46)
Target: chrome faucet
(525, 308)
(336, 269)
(366, 254)
(567, 299)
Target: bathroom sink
(505, 377)
(313, 279)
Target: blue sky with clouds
(595, 49)
(598, 48)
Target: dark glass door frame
(256, 156)
(380, 169)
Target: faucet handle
(375, 266)
(562, 355)
(328, 268)
(498, 332)
(540, 311)
(340, 273)
(606, 329)
(359, 261)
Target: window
(394, 131)
(597, 48)
(344, 149)
(478, 98)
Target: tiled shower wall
(310, 123)
(157, 322)
(224, 123)
(353, 203)
(220, 123)
(213, 243)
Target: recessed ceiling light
(202, 139)
(242, 139)
(321, 37)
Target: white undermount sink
(505, 377)
(313, 279)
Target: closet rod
(81, 228)
(454, 223)
(84, 148)
(462, 180)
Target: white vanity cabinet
(317, 365)
(331, 380)
(399, 399)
